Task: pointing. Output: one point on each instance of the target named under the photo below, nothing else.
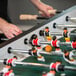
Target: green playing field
(24, 70)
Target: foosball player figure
(65, 34)
(51, 73)
(74, 43)
(45, 33)
(57, 66)
(10, 62)
(48, 48)
(55, 44)
(67, 55)
(34, 52)
(33, 40)
(48, 37)
(39, 56)
(7, 71)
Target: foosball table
(47, 49)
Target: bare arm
(10, 30)
(44, 8)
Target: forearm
(37, 3)
(44, 8)
(2, 22)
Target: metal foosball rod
(61, 34)
(26, 64)
(32, 64)
(58, 66)
(59, 43)
(46, 32)
(70, 18)
(36, 52)
(63, 26)
(30, 52)
(13, 62)
(10, 50)
(43, 42)
(64, 43)
(69, 68)
(36, 42)
(1, 60)
(56, 33)
(74, 34)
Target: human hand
(46, 10)
(10, 30)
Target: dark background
(17, 7)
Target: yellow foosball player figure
(65, 34)
(45, 33)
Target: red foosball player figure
(55, 65)
(51, 73)
(34, 41)
(10, 62)
(55, 43)
(7, 71)
(74, 44)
